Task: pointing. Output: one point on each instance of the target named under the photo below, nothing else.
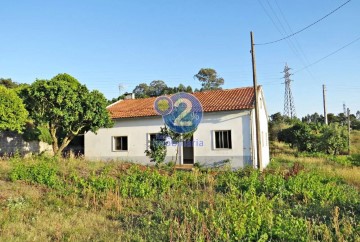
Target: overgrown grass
(355, 142)
(75, 200)
(345, 167)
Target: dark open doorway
(188, 151)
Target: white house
(227, 131)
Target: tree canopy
(13, 114)
(158, 88)
(8, 83)
(66, 108)
(313, 118)
(209, 79)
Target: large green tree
(66, 108)
(13, 114)
(157, 88)
(141, 90)
(209, 79)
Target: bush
(342, 160)
(43, 172)
(355, 160)
(330, 139)
(150, 204)
(157, 152)
(334, 139)
(138, 183)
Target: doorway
(188, 151)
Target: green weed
(290, 201)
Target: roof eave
(156, 115)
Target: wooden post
(349, 130)
(325, 112)
(257, 121)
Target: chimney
(128, 96)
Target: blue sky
(107, 43)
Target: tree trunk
(176, 155)
(64, 144)
(55, 144)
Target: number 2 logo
(179, 120)
(182, 112)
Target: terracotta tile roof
(212, 101)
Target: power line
(332, 53)
(302, 53)
(296, 49)
(305, 28)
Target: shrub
(247, 218)
(42, 172)
(235, 182)
(138, 183)
(333, 139)
(157, 152)
(322, 190)
(149, 204)
(342, 160)
(330, 139)
(355, 160)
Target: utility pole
(324, 98)
(257, 121)
(349, 129)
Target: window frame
(148, 143)
(229, 139)
(114, 143)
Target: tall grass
(75, 200)
(345, 167)
(355, 142)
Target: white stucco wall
(239, 124)
(264, 132)
(264, 129)
(99, 146)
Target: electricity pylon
(289, 105)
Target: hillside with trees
(207, 77)
(310, 134)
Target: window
(156, 139)
(223, 139)
(121, 143)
